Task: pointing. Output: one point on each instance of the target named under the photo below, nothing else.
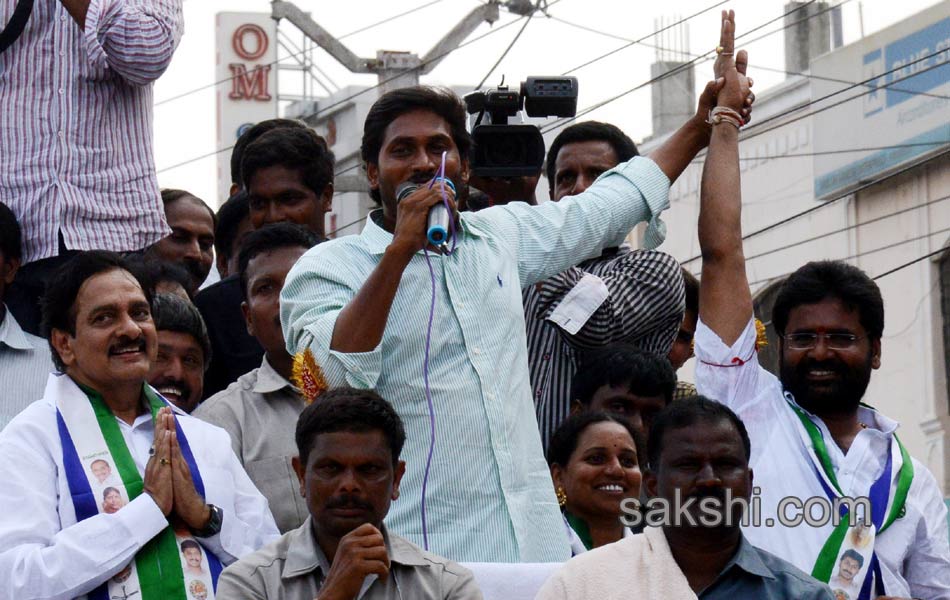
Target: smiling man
(698, 457)
(184, 351)
(812, 438)
(57, 539)
(349, 471)
(362, 304)
(260, 409)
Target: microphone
(437, 231)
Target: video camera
(503, 150)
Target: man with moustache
(191, 242)
(56, 540)
(361, 304)
(349, 471)
(184, 351)
(260, 409)
(811, 436)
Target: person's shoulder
(410, 554)
(220, 289)
(232, 396)
(795, 582)
(605, 557)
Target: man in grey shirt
(260, 409)
(349, 469)
(25, 362)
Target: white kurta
(45, 553)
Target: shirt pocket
(277, 481)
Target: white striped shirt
(643, 305)
(76, 124)
(489, 496)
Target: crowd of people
(377, 416)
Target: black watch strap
(214, 524)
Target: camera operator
(76, 165)
(362, 304)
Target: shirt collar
(269, 380)
(748, 559)
(874, 419)
(305, 556)
(11, 334)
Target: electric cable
(757, 67)
(294, 55)
(835, 199)
(681, 67)
(508, 49)
(368, 89)
(769, 280)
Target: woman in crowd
(594, 462)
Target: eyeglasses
(807, 341)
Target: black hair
(351, 410)
(157, 271)
(820, 280)
(564, 439)
(10, 237)
(58, 303)
(189, 543)
(691, 287)
(591, 131)
(230, 215)
(853, 555)
(298, 149)
(272, 237)
(251, 134)
(686, 413)
(174, 313)
(645, 373)
(171, 196)
(441, 101)
(106, 491)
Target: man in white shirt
(24, 359)
(811, 438)
(57, 539)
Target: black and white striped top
(644, 307)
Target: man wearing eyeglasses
(812, 438)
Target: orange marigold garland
(308, 376)
(760, 339)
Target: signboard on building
(246, 67)
(904, 114)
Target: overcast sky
(185, 127)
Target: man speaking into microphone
(477, 487)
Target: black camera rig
(503, 150)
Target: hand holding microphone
(422, 216)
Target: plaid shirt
(644, 306)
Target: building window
(763, 303)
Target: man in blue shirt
(477, 488)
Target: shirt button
(62, 134)
(477, 351)
(61, 91)
(62, 18)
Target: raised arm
(725, 303)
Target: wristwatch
(214, 523)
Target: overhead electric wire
(658, 31)
(757, 67)
(294, 55)
(683, 66)
(508, 49)
(831, 201)
(774, 278)
(371, 88)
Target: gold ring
(719, 49)
(164, 461)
